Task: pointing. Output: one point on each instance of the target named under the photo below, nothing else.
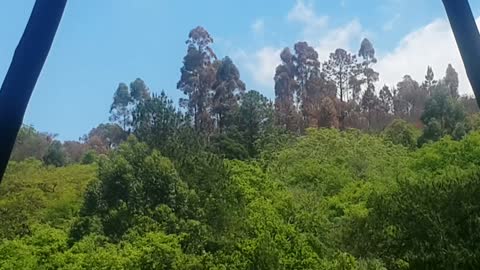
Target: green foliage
(56, 155)
(443, 115)
(327, 159)
(236, 182)
(326, 200)
(473, 122)
(134, 181)
(31, 193)
(30, 144)
(401, 133)
(105, 137)
(157, 122)
(90, 157)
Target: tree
(307, 68)
(157, 122)
(285, 89)
(328, 114)
(105, 137)
(247, 125)
(254, 119)
(369, 103)
(319, 88)
(300, 87)
(198, 77)
(139, 91)
(340, 68)
(386, 100)
(442, 114)
(367, 52)
(451, 81)
(411, 99)
(429, 82)
(469, 103)
(74, 151)
(120, 111)
(90, 157)
(402, 133)
(228, 90)
(134, 179)
(56, 155)
(31, 144)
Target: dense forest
(334, 173)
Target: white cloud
(346, 37)
(258, 27)
(260, 65)
(433, 45)
(314, 26)
(304, 14)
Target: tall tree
(386, 100)
(75, 151)
(367, 52)
(443, 115)
(285, 88)
(429, 82)
(139, 91)
(307, 68)
(228, 89)
(328, 113)
(370, 103)
(30, 144)
(198, 77)
(254, 118)
(120, 111)
(105, 137)
(411, 98)
(451, 81)
(56, 155)
(156, 121)
(300, 85)
(319, 88)
(340, 68)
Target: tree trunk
(468, 39)
(27, 63)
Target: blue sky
(103, 42)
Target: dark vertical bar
(468, 39)
(22, 75)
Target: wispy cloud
(315, 26)
(432, 45)
(261, 64)
(304, 14)
(347, 36)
